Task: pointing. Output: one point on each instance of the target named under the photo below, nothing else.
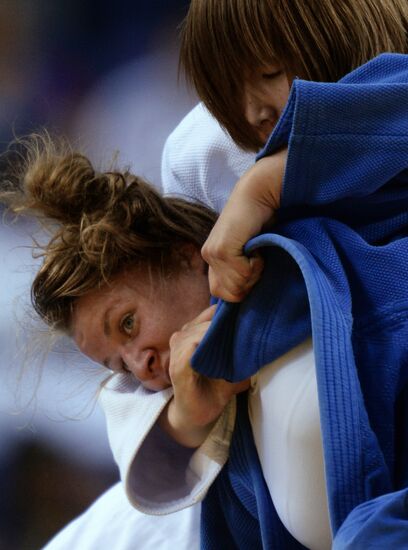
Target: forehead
(132, 284)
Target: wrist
(262, 184)
(181, 429)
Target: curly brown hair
(320, 40)
(99, 223)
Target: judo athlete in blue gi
(341, 146)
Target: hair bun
(54, 186)
(56, 183)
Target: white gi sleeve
(159, 475)
(200, 161)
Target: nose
(258, 114)
(144, 365)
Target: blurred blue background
(105, 75)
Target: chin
(263, 139)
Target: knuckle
(174, 338)
(220, 253)
(245, 270)
(205, 252)
(216, 289)
(212, 252)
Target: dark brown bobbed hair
(320, 40)
(100, 223)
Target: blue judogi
(336, 267)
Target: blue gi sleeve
(345, 139)
(376, 524)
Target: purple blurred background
(105, 75)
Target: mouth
(264, 130)
(264, 136)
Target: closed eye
(270, 76)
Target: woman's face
(127, 325)
(266, 92)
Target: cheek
(159, 329)
(275, 92)
(280, 93)
(174, 308)
(92, 347)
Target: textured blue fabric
(232, 509)
(336, 267)
(376, 524)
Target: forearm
(256, 195)
(252, 204)
(189, 421)
(181, 429)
